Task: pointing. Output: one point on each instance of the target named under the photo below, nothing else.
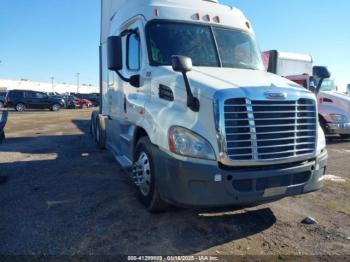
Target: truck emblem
(273, 95)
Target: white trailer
(189, 111)
(286, 64)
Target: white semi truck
(333, 106)
(189, 111)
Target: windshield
(205, 45)
(328, 85)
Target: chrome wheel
(144, 174)
(20, 107)
(56, 107)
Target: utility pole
(52, 78)
(78, 84)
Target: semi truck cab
(333, 106)
(189, 111)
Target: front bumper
(187, 183)
(339, 128)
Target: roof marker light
(157, 12)
(197, 16)
(247, 24)
(207, 18)
(217, 19)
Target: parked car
(74, 102)
(94, 98)
(24, 99)
(83, 103)
(2, 98)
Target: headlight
(338, 118)
(321, 140)
(186, 143)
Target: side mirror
(114, 53)
(321, 72)
(181, 63)
(135, 81)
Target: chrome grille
(269, 130)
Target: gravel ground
(64, 196)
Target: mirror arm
(123, 77)
(192, 102)
(319, 85)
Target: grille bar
(284, 118)
(275, 132)
(307, 143)
(269, 130)
(284, 152)
(272, 139)
(295, 124)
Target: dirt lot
(65, 196)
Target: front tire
(147, 192)
(55, 107)
(20, 107)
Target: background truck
(189, 111)
(334, 107)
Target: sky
(40, 39)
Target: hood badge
(276, 95)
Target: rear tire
(20, 107)
(93, 127)
(148, 193)
(100, 135)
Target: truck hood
(209, 80)
(335, 96)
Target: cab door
(41, 100)
(135, 64)
(134, 98)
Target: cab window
(133, 52)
